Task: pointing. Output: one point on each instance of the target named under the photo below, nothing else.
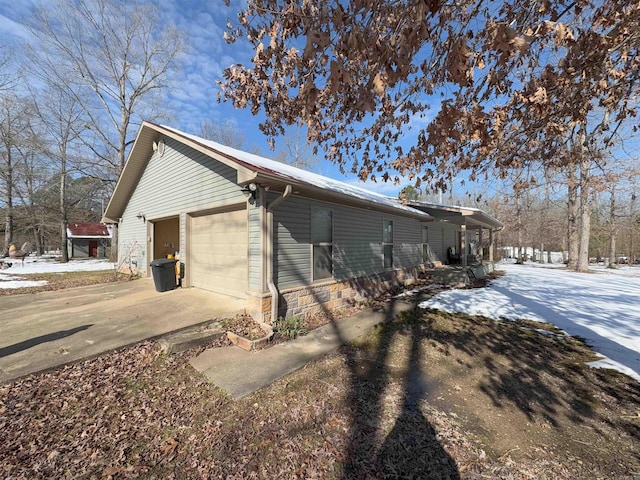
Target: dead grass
(428, 395)
(60, 281)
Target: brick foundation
(331, 295)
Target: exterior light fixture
(140, 216)
(251, 189)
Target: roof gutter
(275, 295)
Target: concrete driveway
(44, 330)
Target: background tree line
(537, 98)
(71, 99)
(540, 217)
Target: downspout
(270, 258)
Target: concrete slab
(48, 329)
(241, 373)
(191, 337)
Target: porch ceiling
(471, 217)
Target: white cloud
(11, 30)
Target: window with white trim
(387, 243)
(322, 243)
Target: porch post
(481, 252)
(491, 244)
(463, 243)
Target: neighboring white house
(260, 230)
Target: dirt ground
(525, 392)
(428, 395)
(60, 281)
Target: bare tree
(7, 76)
(61, 119)
(225, 132)
(33, 178)
(120, 52)
(15, 130)
(634, 221)
(585, 215)
(297, 151)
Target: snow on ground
(11, 277)
(602, 307)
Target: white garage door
(219, 252)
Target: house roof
(472, 217)
(87, 230)
(250, 168)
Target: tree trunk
(37, 234)
(113, 252)
(63, 209)
(572, 224)
(612, 229)
(520, 258)
(8, 228)
(634, 223)
(8, 225)
(585, 216)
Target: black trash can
(164, 274)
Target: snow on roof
(445, 206)
(87, 230)
(297, 175)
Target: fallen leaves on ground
(357, 413)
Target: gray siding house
(287, 241)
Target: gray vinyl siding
(442, 236)
(178, 182)
(291, 248)
(357, 247)
(436, 241)
(255, 247)
(407, 242)
(450, 236)
(357, 241)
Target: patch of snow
(9, 278)
(415, 291)
(602, 309)
(21, 283)
(624, 270)
(6, 278)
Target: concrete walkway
(48, 329)
(241, 373)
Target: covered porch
(473, 242)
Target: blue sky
(193, 99)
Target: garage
(165, 235)
(219, 252)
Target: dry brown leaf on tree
(542, 68)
